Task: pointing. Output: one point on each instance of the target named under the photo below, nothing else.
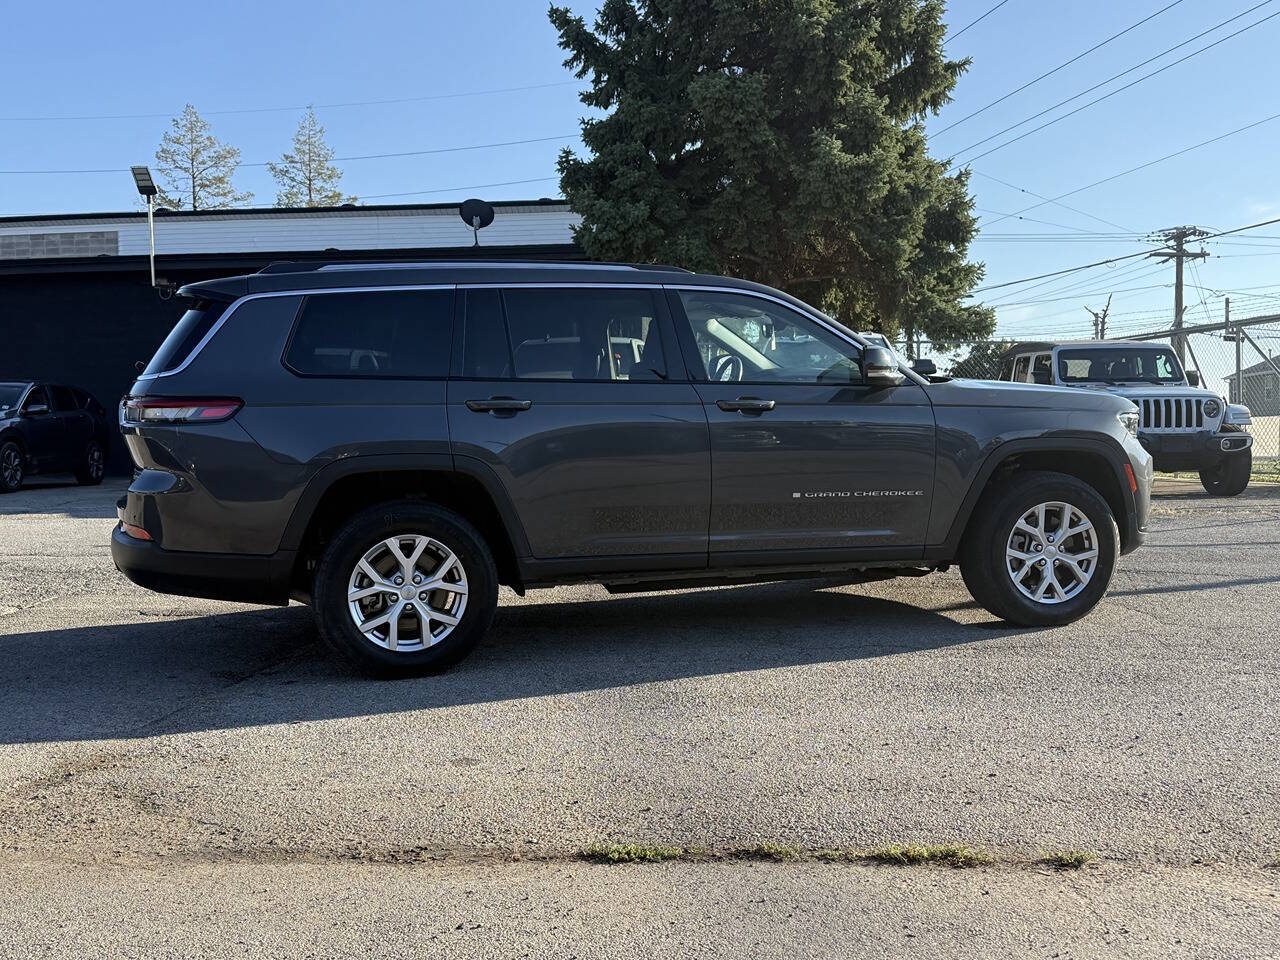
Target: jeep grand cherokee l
(389, 443)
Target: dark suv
(389, 443)
(50, 428)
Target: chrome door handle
(745, 405)
(498, 405)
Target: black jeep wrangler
(391, 442)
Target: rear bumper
(214, 576)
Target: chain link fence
(1239, 360)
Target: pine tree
(781, 141)
(307, 176)
(196, 167)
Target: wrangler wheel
(1229, 476)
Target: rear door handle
(745, 405)
(498, 405)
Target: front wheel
(405, 589)
(1229, 476)
(1040, 550)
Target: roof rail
(310, 266)
(292, 266)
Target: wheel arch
(1096, 462)
(344, 488)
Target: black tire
(13, 466)
(1229, 476)
(363, 533)
(983, 564)
(93, 465)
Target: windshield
(1119, 365)
(11, 393)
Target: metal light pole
(147, 188)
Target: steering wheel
(726, 368)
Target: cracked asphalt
(183, 777)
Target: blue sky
(90, 59)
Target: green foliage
(197, 169)
(1069, 859)
(307, 176)
(605, 852)
(982, 362)
(952, 855)
(778, 140)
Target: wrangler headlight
(1212, 407)
(1129, 420)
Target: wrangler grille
(1172, 414)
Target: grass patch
(1068, 859)
(774, 852)
(630, 853)
(951, 855)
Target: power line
(295, 108)
(1118, 90)
(1061, 66)
(1141, 166)
(974, 23)
(367, 156)
(472, 186)
(1014, 186)
(1130, 256)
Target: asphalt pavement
(185, 777)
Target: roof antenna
(477, 215)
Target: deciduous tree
(782, 141)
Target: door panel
(594, 469)
(825, 468)
(42, 432)
(571, 407)
(805, 455)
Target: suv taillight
(180, 409)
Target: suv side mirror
(35, 409)
(880, 367)
(1193, 378)
(924, 366)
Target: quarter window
(743, 338)
(1020, 367)
(388, 334)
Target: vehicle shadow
(263, 667)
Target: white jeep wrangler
(1184, 426)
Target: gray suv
(390, 442)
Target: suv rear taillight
(180, 409)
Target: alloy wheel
(95, 462)
(11, 467)
(1052, 552)
(407, 593)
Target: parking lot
(180, 761)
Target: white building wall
(366, 228)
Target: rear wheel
(12, 466)
(405, 589)
(1229, 476)
(1040, 550)
(92, 465)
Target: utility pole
(1178, 236)
(1100, 320)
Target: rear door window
(1020, 367)
(186, 335)
(563, 334)
(393, 334)
(64, 401)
